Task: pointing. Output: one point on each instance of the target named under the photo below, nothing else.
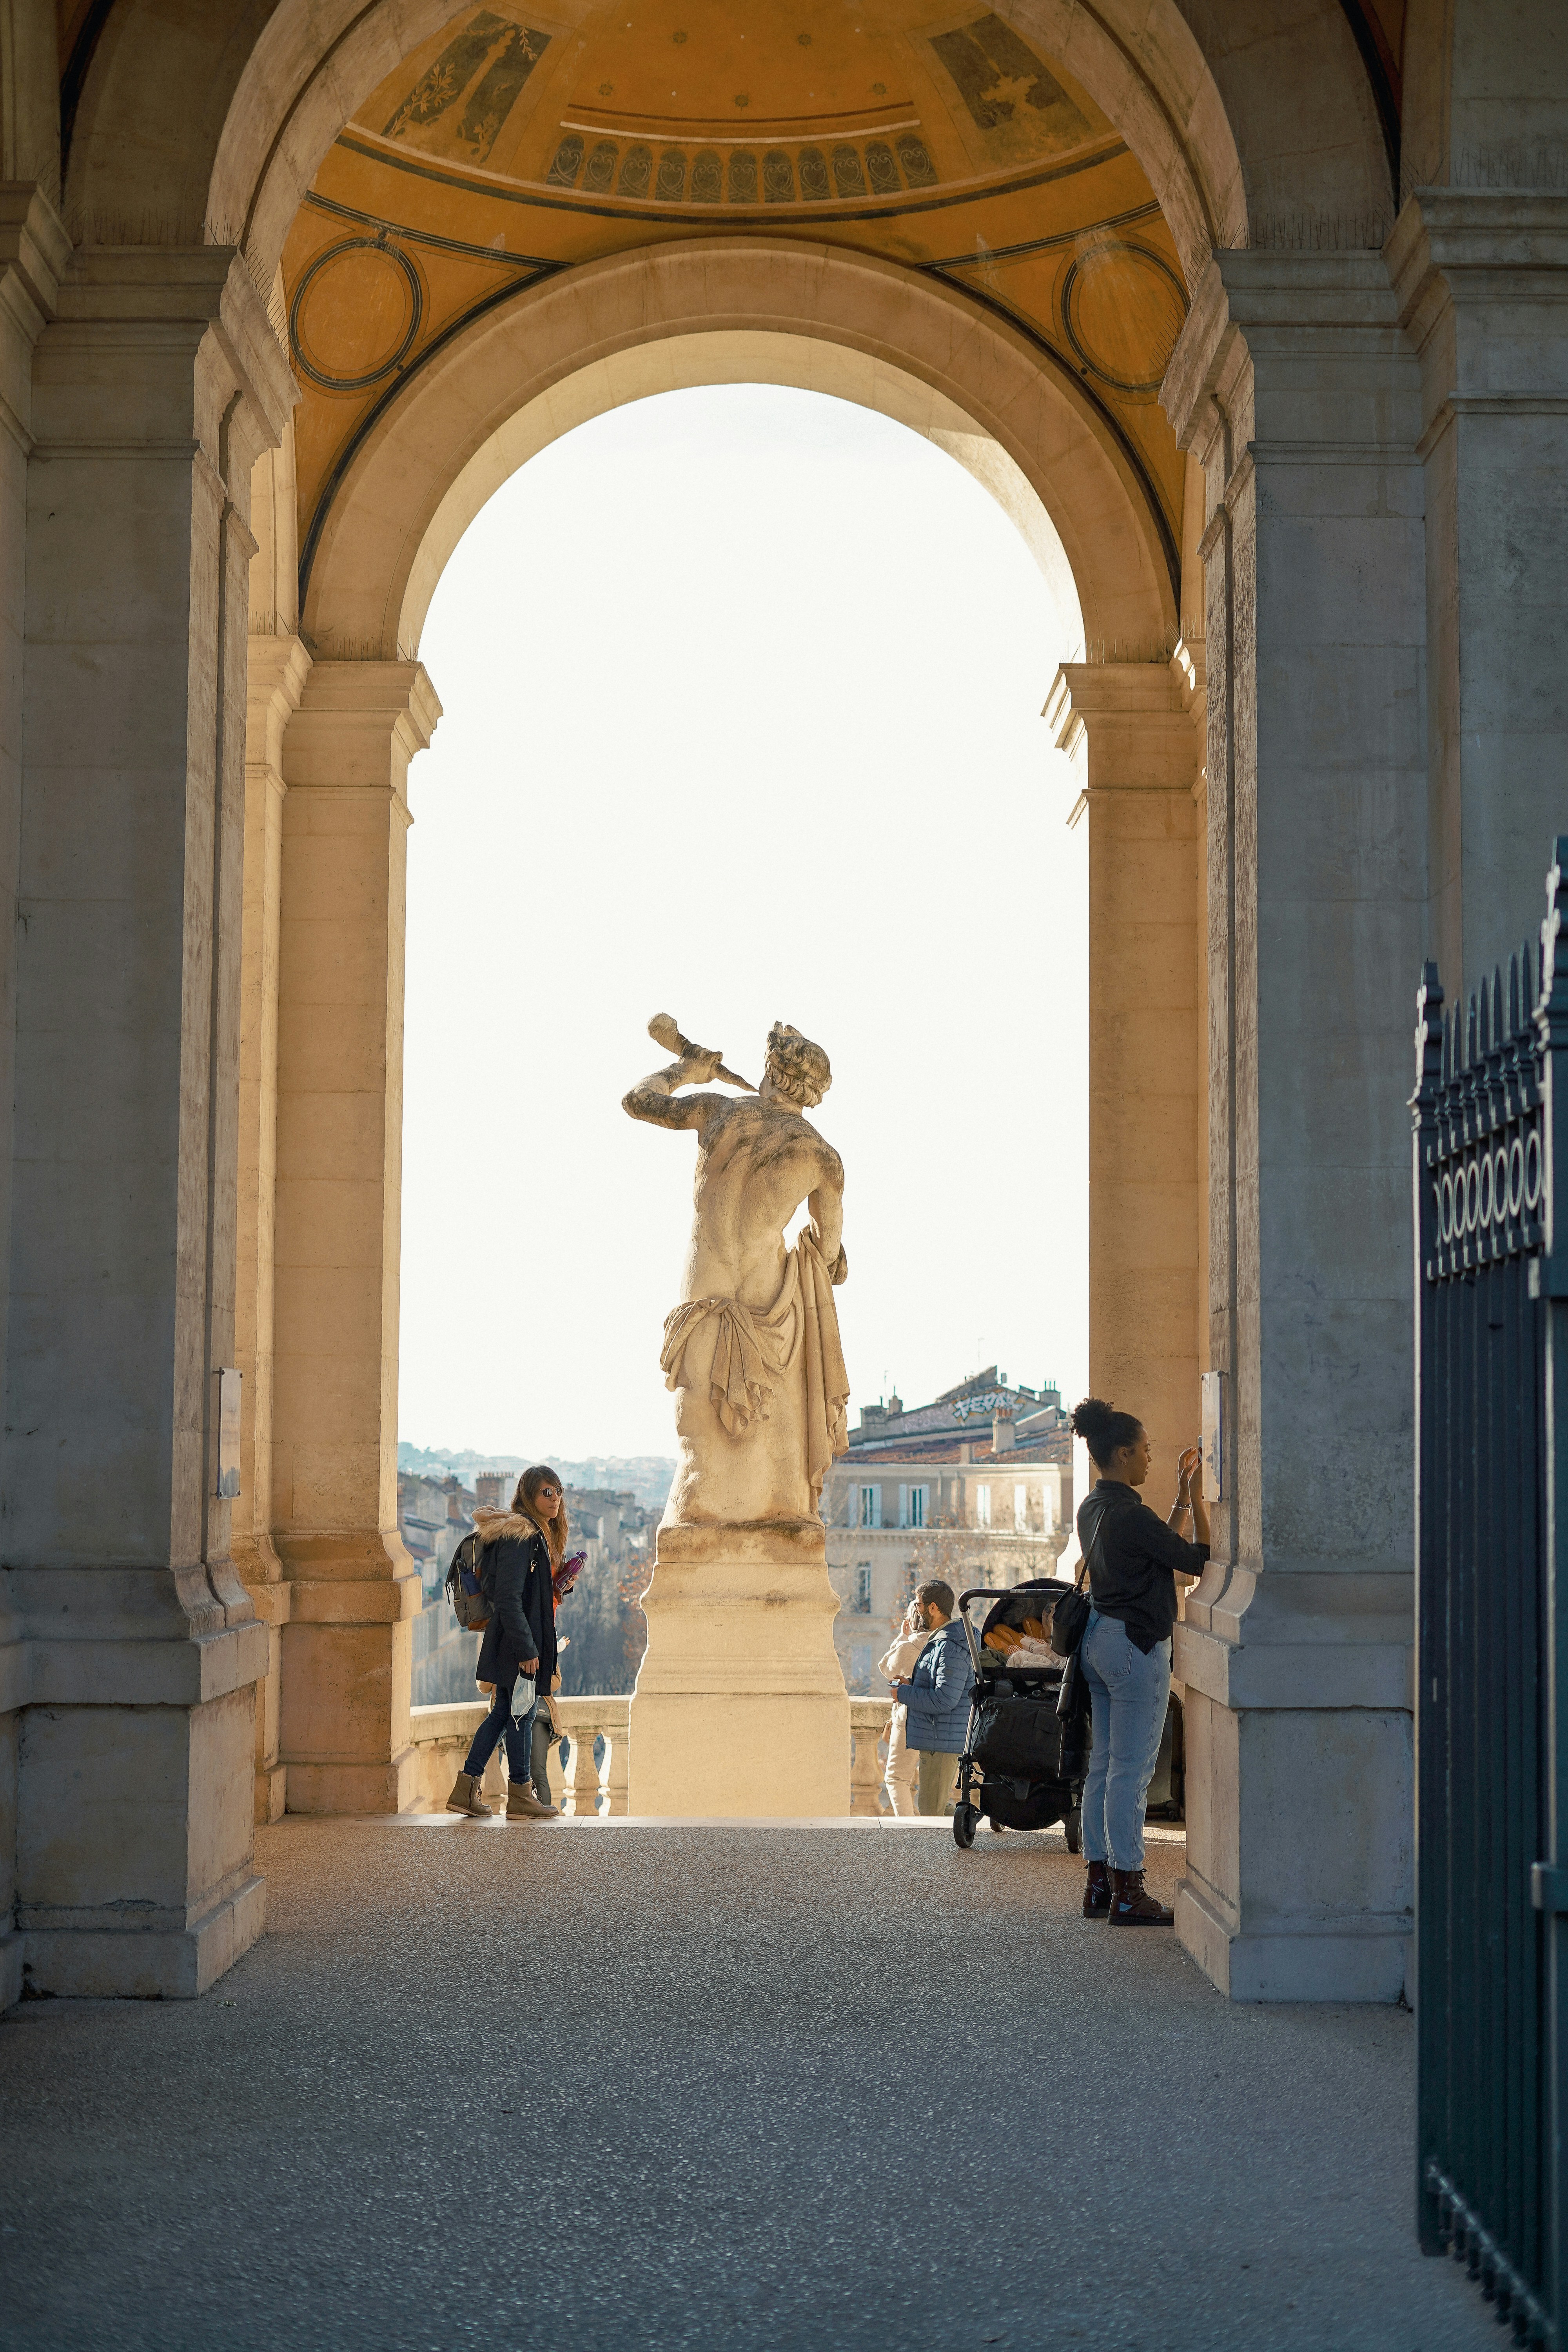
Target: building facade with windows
(975, 1488)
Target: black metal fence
(1491, 1367)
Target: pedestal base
(740, 1706)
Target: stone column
(1128, 728)
(153, 390)
(278, 668)
(33, 255)
(1294, 385)
(1481, 277)
(347, 1642)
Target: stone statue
(753, 1351)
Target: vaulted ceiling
(519, 144)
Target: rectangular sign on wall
(1213, 1436)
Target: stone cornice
(35, 250)
(1132, 723)
(152, 293)
(1274, 307)
(1480, 278)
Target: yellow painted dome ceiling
(517, 144)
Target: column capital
(1480, 278)
(1130, 724)
(351, 714)
(1320, 331)
(158, 311)
(276, 671)
(35, 249)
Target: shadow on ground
(600, 2087)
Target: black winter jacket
(515, 1569)
(1132, 1574)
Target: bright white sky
(743, 694)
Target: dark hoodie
(514, 1570)
(1132, 1568)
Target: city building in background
(601, 1622)
(975, 1488)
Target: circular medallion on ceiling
(1124, 308)
(355, 314)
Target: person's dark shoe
(1133, 1905)
(523, 1805)
(1097, 1891)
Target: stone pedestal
(740, 1706)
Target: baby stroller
(1023, 1767)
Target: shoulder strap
(1081, 1581)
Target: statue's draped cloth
(754, 1352)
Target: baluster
(866, 1767)
(581, 1797)
(617, 1763)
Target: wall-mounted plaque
(227, 1474)
(1213, 1436)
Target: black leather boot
(1096, 1892)
(1133, 1905)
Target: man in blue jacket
(937, 1697)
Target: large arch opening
(756, 677)
(380, 523)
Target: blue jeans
(518, 1737)
(1131, 1693)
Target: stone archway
(339, 707)
(1291, 373)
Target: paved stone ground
(598, 2088)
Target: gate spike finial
(1513, 994)
(1431, 1036)
(1554, 947)
(1472, 1030)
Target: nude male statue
(753, 1351)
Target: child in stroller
(1023, 1764)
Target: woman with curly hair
(1134, 1559)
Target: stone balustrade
(442, 1734)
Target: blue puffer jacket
(937, 1693)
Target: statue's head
(800, 1071)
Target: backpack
(466, 1586)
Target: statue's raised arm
(654, 1098)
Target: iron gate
(1490, 1113)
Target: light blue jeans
(1131, 1693)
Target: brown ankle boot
(523, 1805)
(466, 1799)
(1096, 1892)
(1132, 1905)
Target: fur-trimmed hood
(492, 1525)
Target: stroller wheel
(1072, 1829)
(965, 1820)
